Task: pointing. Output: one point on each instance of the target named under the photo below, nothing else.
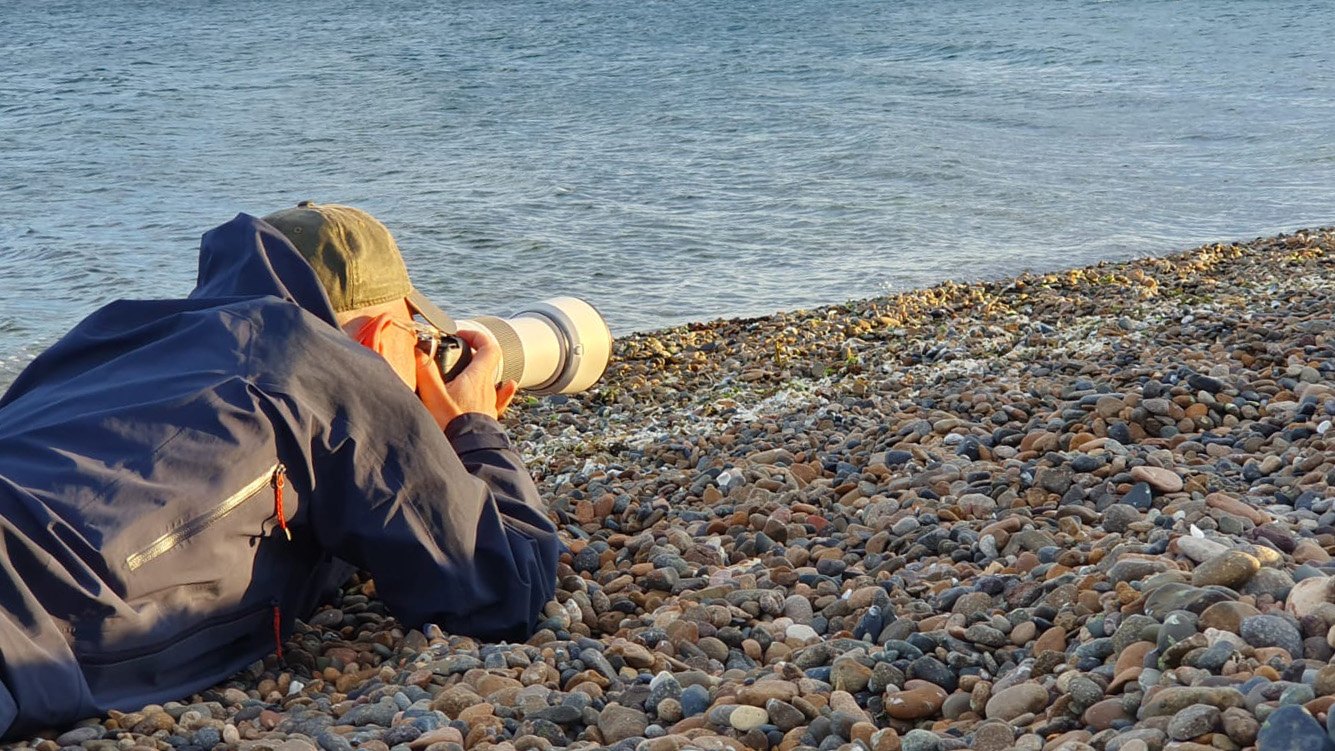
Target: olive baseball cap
(354, 257)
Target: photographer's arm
(458, 540)
(456, 533)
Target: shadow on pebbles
(1081, 510)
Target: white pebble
(801, 632)
(988, 544)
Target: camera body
(557, 346)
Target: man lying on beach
(179, 479)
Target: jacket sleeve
(450, 526)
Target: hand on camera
(473, 390)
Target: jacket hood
(247, 257)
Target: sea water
(669, 160)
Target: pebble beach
(1089, 509)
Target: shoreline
(1057, 511)
(920, 336)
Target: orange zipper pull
(278, 500)
(278, 629)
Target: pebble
(935, 672)
(1083, 509)
(77, 736)
(1103, 715)
(1310, 594)
(1272, 631)
(783, 715)
(1293, 728)
(618, 723)
(330, 741)
(1119, 517)
(1160, 479)
(1226, 616)
(1193, 721)
(1240, 726)
(1138, 738)
(1084, 692)
(1231, 569)
(1140, 497)
(920, 740)
(1016, 701)
(745, 717)
(993, 736)
(1199, 549)
(801, 633)
(1052, 640)
(921, 701)
(381, 713)
(1174, 699)
(694, 700)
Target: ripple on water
(669, 161)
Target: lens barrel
(557, 346)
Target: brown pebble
(922, 701)
(1052, 640)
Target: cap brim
(429, 311)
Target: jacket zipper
(165, 543)
(121, 655)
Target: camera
(556, 346)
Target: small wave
(676, 160)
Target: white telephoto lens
(557, 346)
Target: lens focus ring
(512, 349)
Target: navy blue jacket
(155, 461)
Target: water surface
(670, 160)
